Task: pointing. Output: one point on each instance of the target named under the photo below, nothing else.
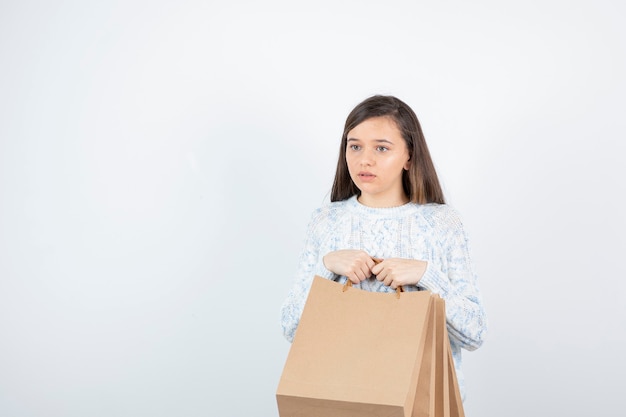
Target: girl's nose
(367, 158)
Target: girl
(386, 203)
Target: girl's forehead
(384, 125)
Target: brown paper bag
(360, 353)
(445, 399)
(434, 391)
(454, 395)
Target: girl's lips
(366, 176)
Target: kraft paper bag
(433, 397)
(360, 353)
(454, 394)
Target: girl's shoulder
(440, 215)
(438, 210)
(326, 219)
(330, 212)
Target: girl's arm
(310, 264)
(458, 286)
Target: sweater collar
(379, 212)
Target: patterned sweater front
(429, 232)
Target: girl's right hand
(356, 265)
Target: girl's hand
(356, 265)
(395, 272)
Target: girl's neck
(374, 202)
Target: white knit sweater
(430, 232)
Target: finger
(371, 263)
(366, 268)
(362, 271)
(388, 280)
(380, 275)
(353, 278)
(393, 285)
(360, 275)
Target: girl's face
(377, 155)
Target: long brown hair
(420, 181)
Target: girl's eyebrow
(375, 140)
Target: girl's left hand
(395, 272)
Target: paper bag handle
(348, 283)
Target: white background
(159, 162)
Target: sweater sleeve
(458, 286)
(310, 264)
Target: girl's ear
(407, 164)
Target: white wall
(159, 162)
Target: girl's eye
(355, 147)
(382, 149)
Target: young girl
(387, 203)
